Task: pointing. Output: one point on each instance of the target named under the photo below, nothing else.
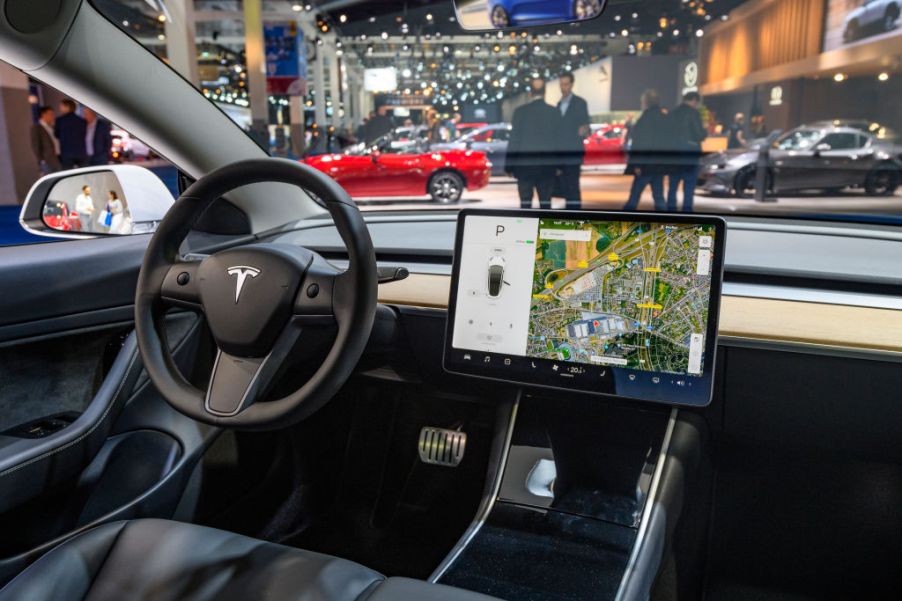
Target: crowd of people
(70, 140)
(546, 152)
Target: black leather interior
(160, 560)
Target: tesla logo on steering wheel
(242, 273)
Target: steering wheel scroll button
(183, 278)
(312, 290)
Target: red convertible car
(57, 216)
(373, 173)
(604, 146)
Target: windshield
(632, 110)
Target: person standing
(574, 129)
(736, 133)
(84, 206)
(688, 134)
(44, 145)
(531, 150)
(378, 125)
(71, 131)
(98, 138)
(648, 144)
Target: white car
(873, 16)
(127, 148)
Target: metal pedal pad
(438, 446)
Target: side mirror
(469, 144)
(106, 200)
(822, 147)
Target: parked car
(127, 148)
(382, 172)
(604, 146)
(819, 156)
(57, 216)
(489, 139)
(873, 16)
(519, 13)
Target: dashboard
(608, 303)
(811, 286)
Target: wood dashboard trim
(795, 322)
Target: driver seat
(162, 560)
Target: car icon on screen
(496, 276)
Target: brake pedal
(439, 446)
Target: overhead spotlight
(839, 77)
(297, 8)
(429, 17)
(699, 33)
(883, 76)
(343, 18)
(161, 18)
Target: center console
(574, 307)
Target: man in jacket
(44, 144)
(71, 131)
(687, 132)
(574, 129)
(532, 149)
(98, 138)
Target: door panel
(66, 349)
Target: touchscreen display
(607, 303)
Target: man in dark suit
(574, 129)
(71, 131)
(532, 148)
(44, 143)
(687, 133)
(98, 138)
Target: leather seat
(160, 560)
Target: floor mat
(791, 527)
(349, 482)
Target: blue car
(517, 13)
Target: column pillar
(255, 53)
(296, 125)
(334, 83)
(319, 85)
(180, 44)
(18, 165)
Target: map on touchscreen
(621, 293)
(626, 294)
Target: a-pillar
(181, 49)
(18, 165)
(255, 54)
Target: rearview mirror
(480, 15)
(106, 200)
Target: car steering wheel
(258, 301)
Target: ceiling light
(839, 77)
(883, 76)
(297, 8)
(343, 18)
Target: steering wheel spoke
(180, 286)
(315, 301)
(236, 383)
